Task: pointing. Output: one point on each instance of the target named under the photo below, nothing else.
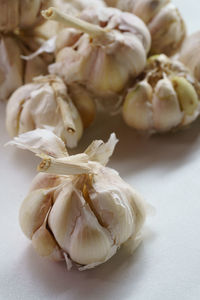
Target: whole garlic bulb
(44, 103)
(21, 14)
(189, 54)
(165, 97)
(164, 21)
(107, 49)
(82, 210)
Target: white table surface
(165, 169)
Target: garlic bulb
(44, 103)
(20, 14)
(189, 54)
(165, 97)
(164, 21)
(103, 53)
(81, 211)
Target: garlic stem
(94, 31)
(62, 166)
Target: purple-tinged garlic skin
(82, 211)
(165, 98)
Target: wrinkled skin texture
(97, 64)
(165, 98)
(163, 19)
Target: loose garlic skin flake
(189, 54)
(81, 211)
(110, 53)
(163, 19)
(166, 97)
(44, 103)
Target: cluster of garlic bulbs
(163, 19)
(165, 97)
(78, 209)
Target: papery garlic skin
(84, 217)
(44, 103)
(189, 54)
(166, 97)
(96, 62)
(21, 14)
(164, 21)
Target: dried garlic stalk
(165, 97)
(44, 103)
(189, 54)
(21, 14)
(163, 19)
(81, 211)
(106, 49)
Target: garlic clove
(186, 93)
(137, 111)
(77, 230)
(33, 211)
(108, 199)
(166, 109)
(189, 54)
(167, 30)
(45, 245)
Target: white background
(165, 169)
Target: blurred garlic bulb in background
(101, 57)
(82, 211)
(165, 97)
(190, 55)
(164, 21)
(14, 71)
(44, 103)
(20, 14)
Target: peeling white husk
(81, 211)
(189, 54)
(44, 103)
(164, 21)
(96, 62)
(164, 99)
